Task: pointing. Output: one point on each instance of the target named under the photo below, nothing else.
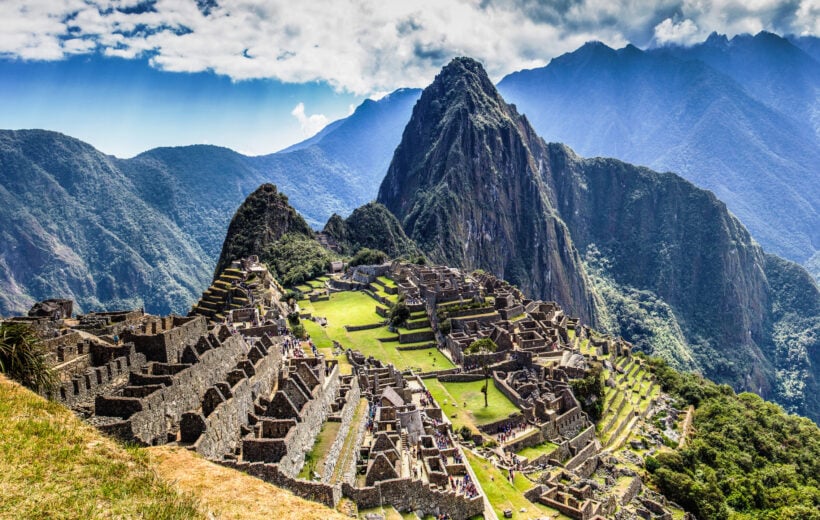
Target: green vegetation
(399, 314)
(357, 308)
(52, 465)
(315, 458)
(452, 398)
(533, 452)
(367, 256)
(504, 494)
(23, 358)
(590, 392)
(747, 458)
(262, 219)
(372, 226)
(296, 258)
(483, 347)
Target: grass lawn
(387, 282)
(505, 495)
(446, 394)
(533, 452)
(315, 459)
(357, 308)
(347, 455)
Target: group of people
(508, 430)
(464, 485)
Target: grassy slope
(52, 465)
(475, 413)
(233, 494)
(357, 308)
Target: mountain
(75, 226)
(109, 232)
(370, 226)
(264, 217)
(669, 110)
(474, 185)
(466, 182)
(768, 67)
(809, 44)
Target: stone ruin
(239, 293)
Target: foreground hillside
(54, 465)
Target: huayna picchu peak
(467, 184)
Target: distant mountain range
(113, 233)
(739, 117)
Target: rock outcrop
(467, 183)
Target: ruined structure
(227, 382)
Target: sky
(260, 75)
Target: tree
(483, 347)
(23, 358)
(399, 314)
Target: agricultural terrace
(356, 308)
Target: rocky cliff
(371, 226)
(467, 183)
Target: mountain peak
(264, 217)
(462, 78)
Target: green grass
(387, 282)
(52, 465)
(503, 494)
(533, 452)
(357, 308)
(475, 413)
(315, 459)
(346, 454)
(317, 334)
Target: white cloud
(371, 46)
(684, 32)
(310, 124)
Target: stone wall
(167, 346)
(347, 413)
(631, 491)
(148, 419)
(301, 438)
(95, 381)
(413, 495)
(315, 491)
(222, 427)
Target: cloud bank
(370, 46)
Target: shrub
(23, 358)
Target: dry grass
(231, 494)
(52, 465)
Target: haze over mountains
(739, 117)
(75, 219)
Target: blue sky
(259, 75)
(124, 107)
